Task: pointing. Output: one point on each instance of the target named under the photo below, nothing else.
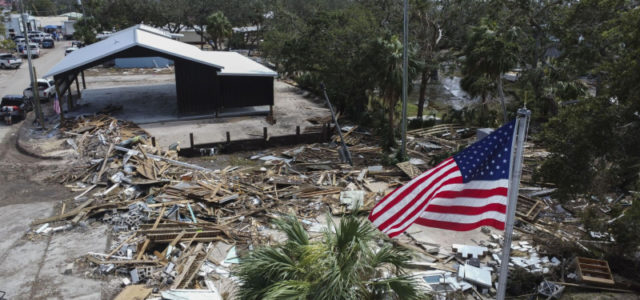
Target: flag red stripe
(501, 191)
(420, 208)
(408, 190)
(467, 210)
(461, 226)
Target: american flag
(464, 192)
(56, 105)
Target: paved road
(15, 81)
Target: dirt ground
(30, 269)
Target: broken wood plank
(134, 292)
(104, 164)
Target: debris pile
(176, 226)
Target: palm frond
(401, 287)
(294, 230)
(390, 255)
(288, 290)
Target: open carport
(205, 81)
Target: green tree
(386, 61)
(85, 30)
(428, 35)
(41, 7)
(490, 52)
(8, 44)
(218, 28)
(595, 144)
(343, 264)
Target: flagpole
(519, 134)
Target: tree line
(576, 63)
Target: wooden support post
(228, 137)
(69, 100)
(298, 134)
(264, 133)
(59, 102)
(78, 87)
(84, 83)
(191, 140)
(153, 141)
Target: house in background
(13, 25)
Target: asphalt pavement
(15, 81)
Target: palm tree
(218, 27)
(489, 53)
(345, 263)
(385, 57)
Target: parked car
(35, 38)
(35, 50)
(15, 37)
(69, 50)
(14, 107)
(48, 43)
(77, 44)
(8, 60)
(46, 90)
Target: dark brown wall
(197, 88)
(239, 91)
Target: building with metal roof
(206, 81)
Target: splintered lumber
(104, 164)
(594, 271)
(409, 169)
(171, 161)
(173, 243)
(120, 246)
(186, 268)
(528, 208)
(134, 292)
(121, 262)
(67, 215)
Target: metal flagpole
(515, 168)
(405, 78)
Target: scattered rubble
(177, 228)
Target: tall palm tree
(490, 52)
(345, 263)
(218, 27)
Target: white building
(13, 25)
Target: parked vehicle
(35, 50)
(69, 50)
(20, 41)
(48, 43)
(35, 38)
(8, 60)
(46, 90)
(15, 37)
(77, 44)
(14, 107)
(68, 29)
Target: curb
(25, 149)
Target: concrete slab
(64, 248)
(150, 101)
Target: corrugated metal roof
(235, 64)
(154, 39)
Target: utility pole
(34, 82)
(405, 75)
(82, 5)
